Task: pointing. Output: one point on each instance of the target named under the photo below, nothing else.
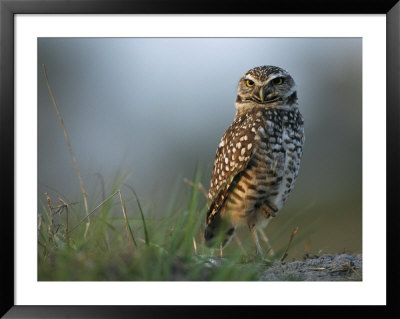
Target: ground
(342, 267)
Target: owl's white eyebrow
(278, 75)
(249, 77)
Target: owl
(258, 158)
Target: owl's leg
(266, 240)
(239, 243)
(268, 210)
(255, 239)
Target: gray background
(157, 107)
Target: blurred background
(156, 108)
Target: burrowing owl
(258, 158)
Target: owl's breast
(272, 170)
(289, 157)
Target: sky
(156, 108)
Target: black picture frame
(8, 10)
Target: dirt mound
(342, 267)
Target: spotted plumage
(258, 157)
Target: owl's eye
(249, 83)
(277, 81)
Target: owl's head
(266, 86)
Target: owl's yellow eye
(277, 81)
(249, 83)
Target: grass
(124, 243)
(135, 247)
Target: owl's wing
(233, 155)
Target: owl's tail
(217, 236)
(208, 236)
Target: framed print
(137, 138)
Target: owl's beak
(262, 94)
